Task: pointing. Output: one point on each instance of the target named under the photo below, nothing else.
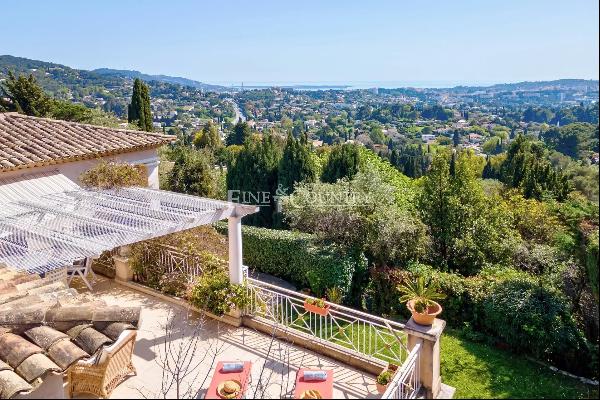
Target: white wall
(73, 170)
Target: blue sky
(313, 41)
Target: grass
(482, 371)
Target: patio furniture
(101, 374)
(81, 268)
(221, 375)
(324, 387)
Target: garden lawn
(479, 370)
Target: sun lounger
(221, 375)
(325, 387)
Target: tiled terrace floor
(274, 363)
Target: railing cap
(431, 332)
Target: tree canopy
(298, 164)
(343, 162)
(241, 132)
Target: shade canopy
(47, 221)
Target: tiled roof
(30, 141)
(47, 327)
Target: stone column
(236, 273)
(123, 271)
(429, 359)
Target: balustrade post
(429, 358)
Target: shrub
(384, 377)
(535, 319)
(537, 259)
(315, 302)
(108, 175)
(201, 246)
(519, 311)
(214, 293)
(299, 258)
(381, 296)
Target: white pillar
(236, 274)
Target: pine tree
(139, 111)
(25, 96)
(241, 131)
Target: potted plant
(316, 306)
(383, 380)
(420, 297)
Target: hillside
(110, 89)
(123, 73)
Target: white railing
(173, 260)
(363, 335)
(407, 381)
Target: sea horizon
(420, 84)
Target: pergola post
(236, 274)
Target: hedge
(508, 308)
(299, 258)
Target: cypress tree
(456, 138)
(296, 165)
(343, 162)
(488, 170)
(254, 171)
(139, 111)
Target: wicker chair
(101, 375)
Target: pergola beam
(73, 223)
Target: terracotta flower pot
(316, 309)
(393, 368)
(381, 388)
(424, 318)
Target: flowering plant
(214, 293)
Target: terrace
(274, 331)
(275, 363)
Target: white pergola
(48, 222)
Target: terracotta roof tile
(65, 353)
(44, 336)
(30, 141)
(11, 384)
(36, 366)
(91, 340)
(15, 349)
(49, 328)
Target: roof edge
(60, 121)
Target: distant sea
(355, 85)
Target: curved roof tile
(27, 142)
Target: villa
(118, 338)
